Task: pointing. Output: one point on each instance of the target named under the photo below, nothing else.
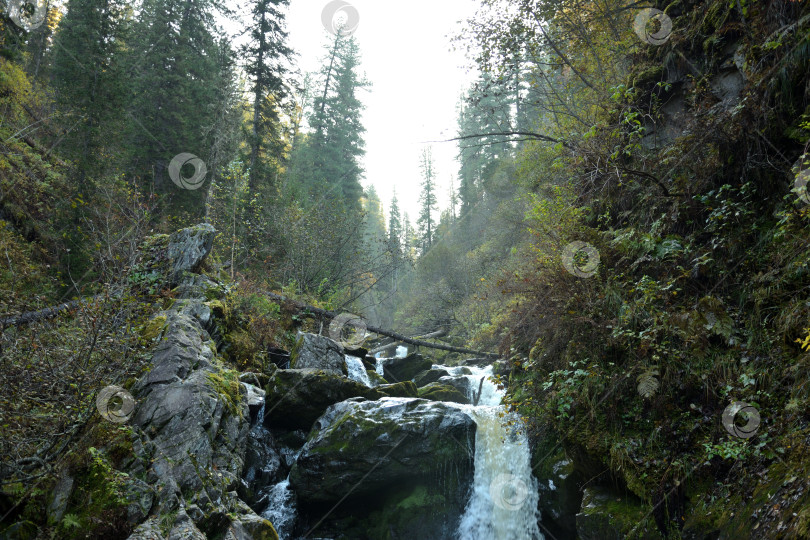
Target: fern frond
(648, 383)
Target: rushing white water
(380, 369)
(402, 352)
(357, 371)
(281, 508)
(503, 503)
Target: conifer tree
(267, 56)
(89, 79)
(428, 210)
(176, 78)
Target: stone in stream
(430, 376)
(404, 369)
(297, 397)
(443, 392)
(477, 362)
(403, 389)
(375, 378)
(559, 485)
(318, 352)
(408, 462)
(264, 465)
(255, 398)
(462, 383)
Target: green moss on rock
(154, 327)
(442, 392)
(403, 389)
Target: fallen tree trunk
(395, 343)
(44, 314)
(399, 337)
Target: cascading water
(357, 371)
(504, 498)
(401, 352)
(281, 508)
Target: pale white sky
(416, 84)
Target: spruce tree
(427, 200)
(266, 58)
(330, 165)
(89, 79)
(177, 71)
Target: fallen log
(44, 314)
(394, 344)
(312, 311)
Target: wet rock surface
(376, 444)
(318, 352)
(297, 397)
(192, 419)
(404, 369)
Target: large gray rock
(192, 421)
(297, 397)
(318, 352)
(430, 376)
(373, 445)
(404, 369)
(443, 392)
(462, 384)
(255, 397)
(189, 247)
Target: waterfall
(504, 498)
(380, 366)
(281, 510)
(357, 371)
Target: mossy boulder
(404, 369)
(375, 378)
(430, 376)
(605, 515)
(295, 398)
(154, 327)
(419, 511)
(318, 352)
(375, 445)
(189, 247)
(559, 486)
(403, 389)
(442, 392)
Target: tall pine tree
(266, 59)
(89, 79)
(328, 164)
(428, 209)
(177, 71)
